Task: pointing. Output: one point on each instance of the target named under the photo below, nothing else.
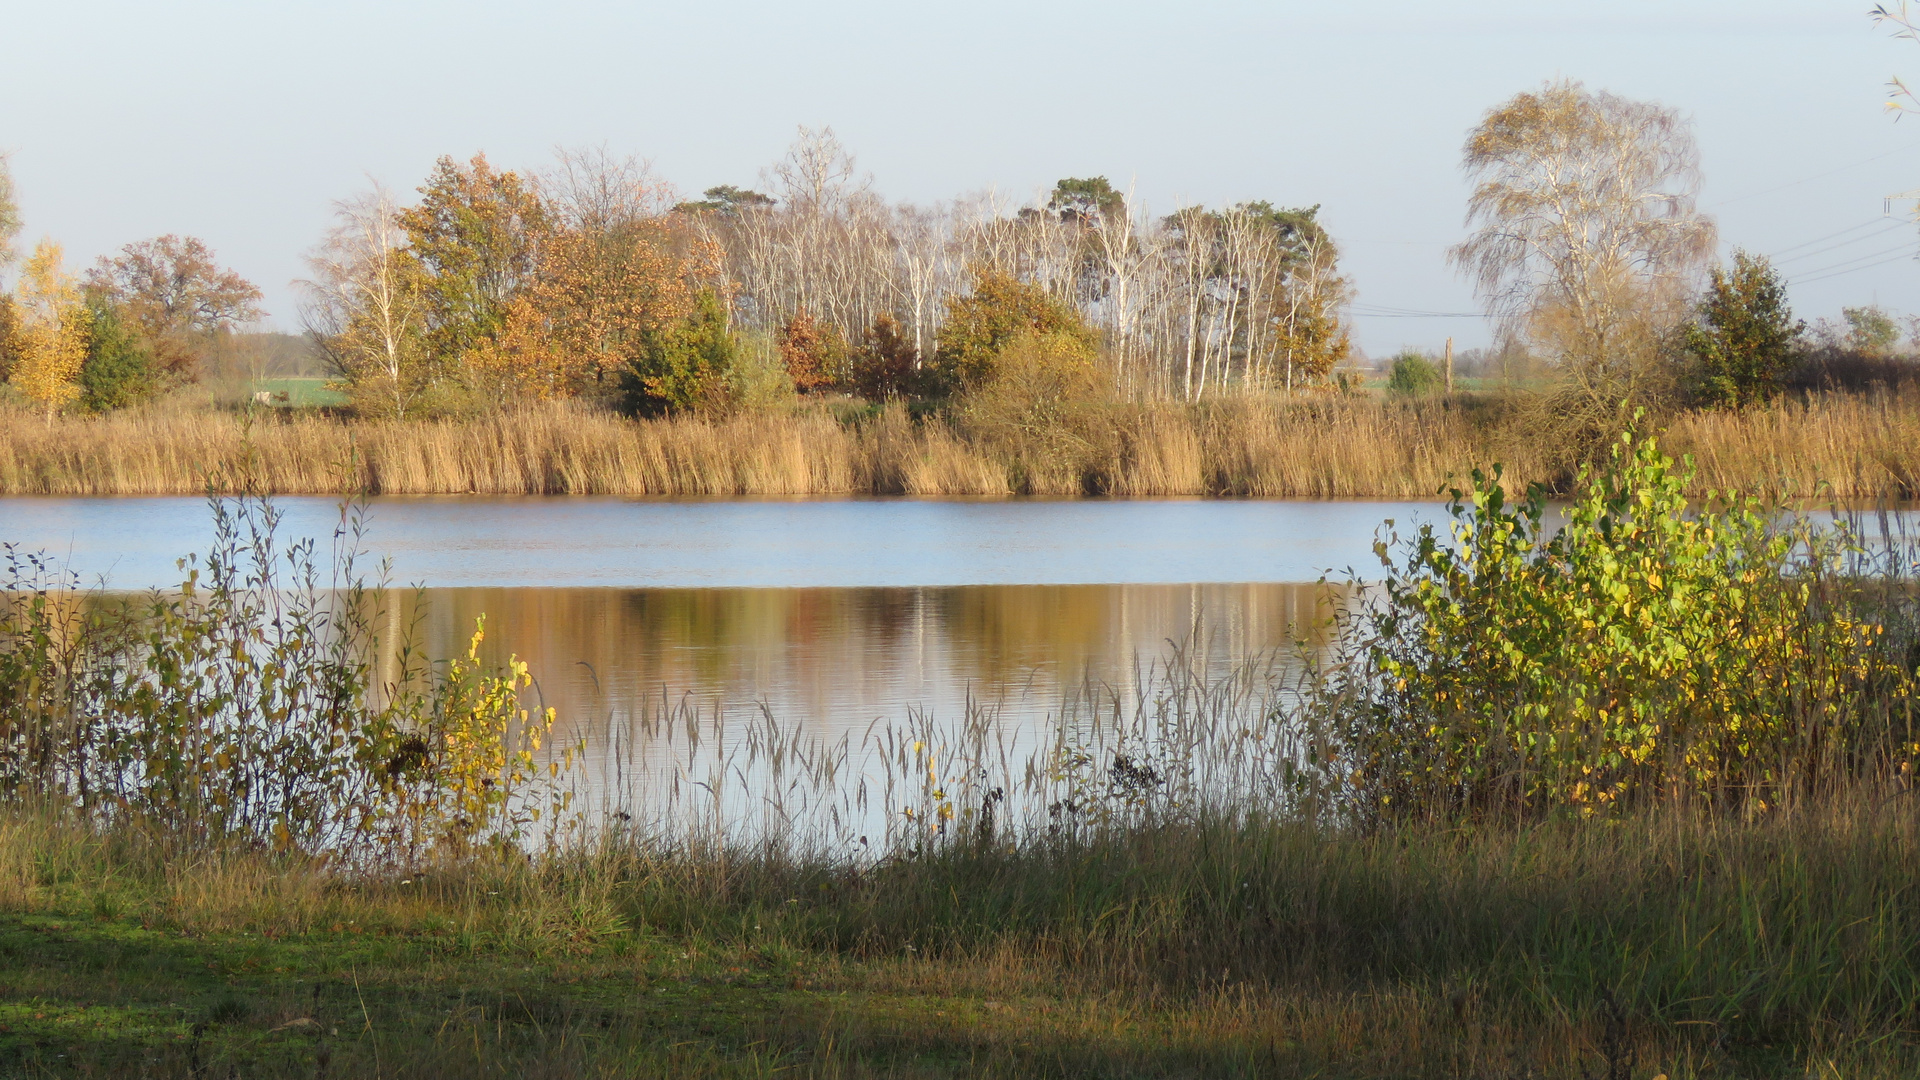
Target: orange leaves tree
(598, 295)
(814, 352)
(177, 297)
(884, 364)
(519, 289)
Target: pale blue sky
(240, 122)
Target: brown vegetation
(1846, 446)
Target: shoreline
(1847, 447)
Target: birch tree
(368, 308)
(1586, 238)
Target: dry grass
(1855, 447)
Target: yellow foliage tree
(51, 339)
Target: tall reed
(1319, 447)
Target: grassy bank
(1860, 447)
(1667, 943)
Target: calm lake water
(828, 614)
(833, 614)
(467, 541)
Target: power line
(1893, 226)
(1809, 179)
(1389, 311)
(1842, 273)
(1903, 249)
(1822, 239)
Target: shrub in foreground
(1728, 652)
(243, 708)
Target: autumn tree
(476, 235)
(599, 299)
(1586, 238)
(177, 297)
(9, 335)
(683, 365)
(51, 340)
(609, 278)
(9, 229)
(883, 364)
(814, 353)
(1743, 336)
(368, 308)
(998, 310)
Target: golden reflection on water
(839, 659)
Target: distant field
(302, 393)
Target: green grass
(1784, 947)
(302, 393)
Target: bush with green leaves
(1650, 648)
(120, 369)
(683, 365)
(1414, 375)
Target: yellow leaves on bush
(1648, 648)
(981, 326)
(477, 754)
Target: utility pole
(1449, 365)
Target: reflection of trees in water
(844, 657)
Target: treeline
(156, 316)
(593, 281)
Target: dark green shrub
(120, 370)
(1414, 375)
(682, 366)
(1744, 337)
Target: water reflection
(732, 708)
(838, 660)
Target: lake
(831, 612)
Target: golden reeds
(1852, 447)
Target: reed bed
(1849, 447)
